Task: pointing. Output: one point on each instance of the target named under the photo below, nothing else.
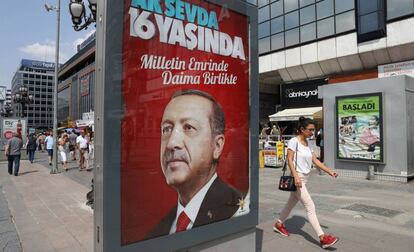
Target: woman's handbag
(287, 183)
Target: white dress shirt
(82, 141)
(192, 208)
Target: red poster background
(145, 197)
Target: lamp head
(77, 11)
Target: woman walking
(300, 158)
(31, 146)
(61, 147)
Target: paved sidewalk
(9, 240)
(366, 215)
(49, 211)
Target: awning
(294, 114)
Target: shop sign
(299, 95)
(401, 68)
(359, 128)
(37, 64)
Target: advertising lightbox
(186, 94)
(179, 111)
(359, 127)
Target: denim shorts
(50, 152)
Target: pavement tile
(62, 239)
(9, 242)
(60, 210)
(49, 210)
(67, 220)
(48, 221)
(36, 242)
(39, 210)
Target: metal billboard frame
(108, 117)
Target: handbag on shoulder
(287, 183)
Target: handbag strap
(286, 159)
(296, 156)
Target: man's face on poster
(188, 146)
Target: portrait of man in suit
(192, 140)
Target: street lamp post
(22, 97)
(55, 90)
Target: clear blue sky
(28, 31)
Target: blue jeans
(31, 155)
(16, 160)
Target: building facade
(76, 86)
(38, 76)
(309, 42)
(303, 40)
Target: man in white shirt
(82, 145)
(49, 141)
(192, 140)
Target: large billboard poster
(359, 131)
(13, 125)
(185, 129)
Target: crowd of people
(76, 143)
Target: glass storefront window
(291, 5)
(261, 3)
(345, 22)
(399, 8)
(292, 37)
(344, 5)
(278, 41)
(325, 9)
(276, 25)
(263, 14)
(264, 45)
(308, 32)
(276, 9)
(306, 2)
(301, 21)
(264, 29)
(370, 22)
(291, 20)
(307, 14)
(326, 27)
(63, 105)
(366, 7)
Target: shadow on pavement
(295, 225)
(27, 172)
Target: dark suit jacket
(220, 203)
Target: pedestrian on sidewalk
(13, 148)
(82, 144)
(62, 152)
(72, 144)
(31, 147)
(49, 146)
(300, 158)
(41, 142)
